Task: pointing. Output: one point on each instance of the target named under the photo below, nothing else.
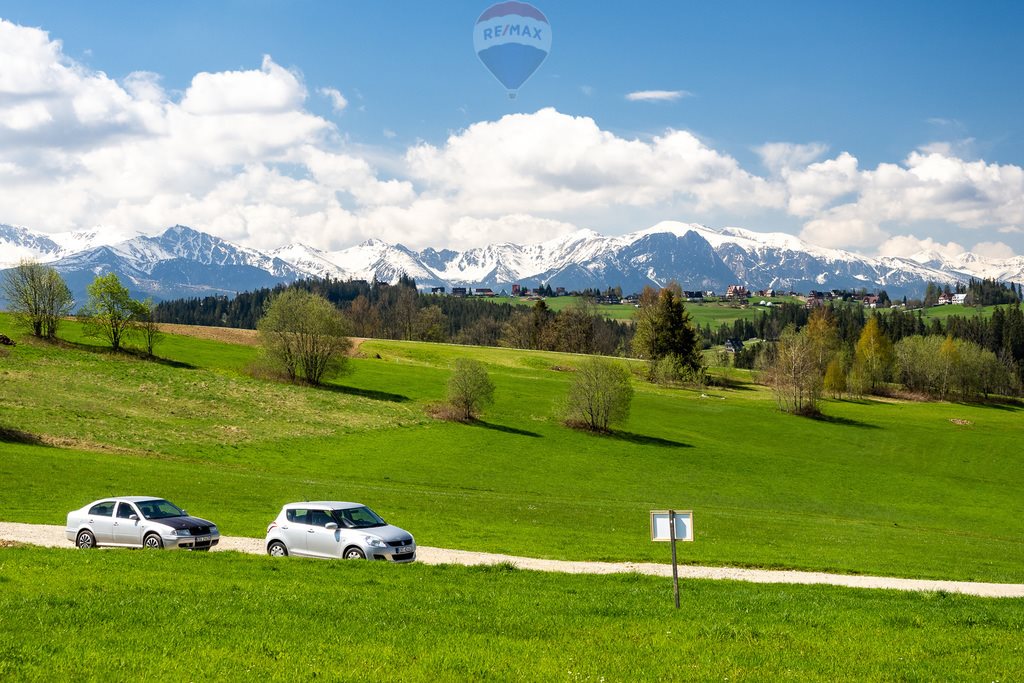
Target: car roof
(128, 499)
(331, 504)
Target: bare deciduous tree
(37, 296)
(600, 395)
(305, 336)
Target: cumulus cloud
(927, 187)
(994, 250)
(552, 162)
(908, 245)
(338, 101)
(780, 157)
(657, 95)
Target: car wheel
(277, 549)
(86, 540)
(354, 553)
(152, 542)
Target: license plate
(202, 539)
(404, 549)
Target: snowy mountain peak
(183, 261)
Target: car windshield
(358, 518)
(159, 509)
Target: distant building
(736, 292)
(515, 290)
(559, 291)
(459, 291)
(768, 293)
(483, 291)
(815, 299)
(693, 296)
(437, 290)
(960, 299)
(733, 344)
(944, 300)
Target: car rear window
(102, 509)
(298, 516)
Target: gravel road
(53, 536)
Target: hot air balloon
(512, 39)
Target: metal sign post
(672, 526)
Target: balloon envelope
(512, 39)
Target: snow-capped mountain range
(184, 262)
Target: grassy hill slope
(879, 487)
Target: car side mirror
(134, 518)
(184, 513)
(331, 525)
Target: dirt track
(53, 536)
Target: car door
(101, 521)
(296, 530)
(321, 541)
(127, 531)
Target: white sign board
(660, 526)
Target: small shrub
(470, 390)
(600, 395)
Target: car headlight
(213, 529)
(375, 542)
(181, 532)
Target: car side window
(102, 509)
(298, 516)
(124, 511)
(320, 517)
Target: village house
(733, 345)
(736, 292)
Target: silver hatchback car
(336, 529)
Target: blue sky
(877, 81)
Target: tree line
(399, 311)
(811, 361)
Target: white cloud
(657, 95)
(552, 163)
(338, 101)
(994, 250)
(782, 156)
(909, 245)
(271, 89)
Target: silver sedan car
(333, 529)
(139, 522)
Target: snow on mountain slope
(186, 262)
(19, 243)
(310, 261)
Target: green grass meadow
(712, 313)
(891, 488)
(877, 487)
(133, 615)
